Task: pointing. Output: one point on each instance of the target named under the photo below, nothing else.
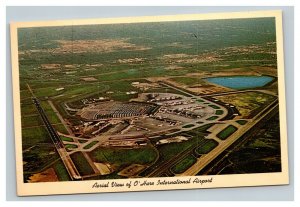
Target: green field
(214, 106)
(42, 92)
(35, 135)
(70, 146)
(61, 171)
(228, 131)
(189, 81)
(123, 157)
(52, 117)
(171, 150)
(167, 151)
(200, 130)
(248, 103)
(61, 128)
(242, 122)
(30, 121)
(209, 145)
(165, 90)
(188, 126)
(81, 164)
(30, 116)
(184, 164)
(212, 118)
(28, 109)
(219, 112)
(90, 145)
(24, 94)
(67, 139)
(40, 156)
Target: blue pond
(241, 82)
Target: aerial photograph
(151, 99)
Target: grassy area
(29, 121)
(70, 146)
(167, 151)
(214, 106)
(226, 132)
(113, 175)
(165, 90)
(219, 112)
(31, 117)
(90, 145)
(122, 85)
(61, 171)
(61, 128)
(189, 81)
(188, 126)
(25, 94)
(82, 164)
(119, 89)
(122, 96)
(26, 101)
(67, 139)
(184, 164)
(241, 122)
(78, 91)
(124, 156)
(248, 103)
(203, 128)
(261, 143)
(82, 89)
(69, 91)
(46, 92)
(52, 117)
(200, 100)
(34, 135)
(209, 145)
(39, 156)
(212, 118)
(198, 133)
(28, 109)
(46, 106)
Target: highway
(74, 174)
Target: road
(71, 168)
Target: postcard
(149, 103)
